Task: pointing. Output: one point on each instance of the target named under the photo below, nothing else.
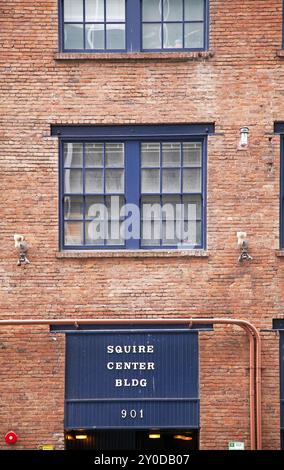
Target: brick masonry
(240, 82)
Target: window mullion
(132, 184)
(133, 25)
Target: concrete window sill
(157, 56)
(134, 254)
(279, 253)
(280, 53)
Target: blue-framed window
(132, 187)
(133, 25)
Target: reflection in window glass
(115, 36)
(172, 10)
(161, 179)
(151, 10)
(115, 10)
(95, 36)
(173, 24)
(74, 36)
(94, 25)
(152, 36)
(73, 10)
(194, 35)
(94, 10)
(194, 10)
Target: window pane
(192, 154)
(192, 207)
(170, 233)
(96, 232)
(150, 181)
(172, 35)
(114, 181)
(114, 236)
(95, 36)
(194, 10)
(172, 10)
(73, 155)
(73, 181)
(150, 233)
(94, 10)
(192, 180)
(151, 10)
(194, 35)
(171, 181)
(115, 155)
(171, 154)
(172, 208)
(94, 155)
(73, 207)
(73, 36)
(94, 181)
(114, 205)
(115, 10)
(73, 10)
(115, 36)
(73, 233)
(150, 155)
(95, 207)
(150, 208)
(152, 36)
(191, 234)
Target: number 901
(132, 414)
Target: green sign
(235, 445)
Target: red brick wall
(242, 84)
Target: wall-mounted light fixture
(244, 133)
(182, 437)
(243, 246)
(22, 248)
(154, 435)
(81, 436)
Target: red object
(11, 437)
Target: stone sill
(133, 254)
(280, 53)
(172, 56)
(279, 253)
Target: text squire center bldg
(142, 202)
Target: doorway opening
(170, 440)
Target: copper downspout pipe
(250, 329)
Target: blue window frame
(133, 25)
(132, 187)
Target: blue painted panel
(139, 414)
(152, 369)
(282, 377)
(282, 194)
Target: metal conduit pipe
(249, 328)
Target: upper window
(133, 25)
(133, 187)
